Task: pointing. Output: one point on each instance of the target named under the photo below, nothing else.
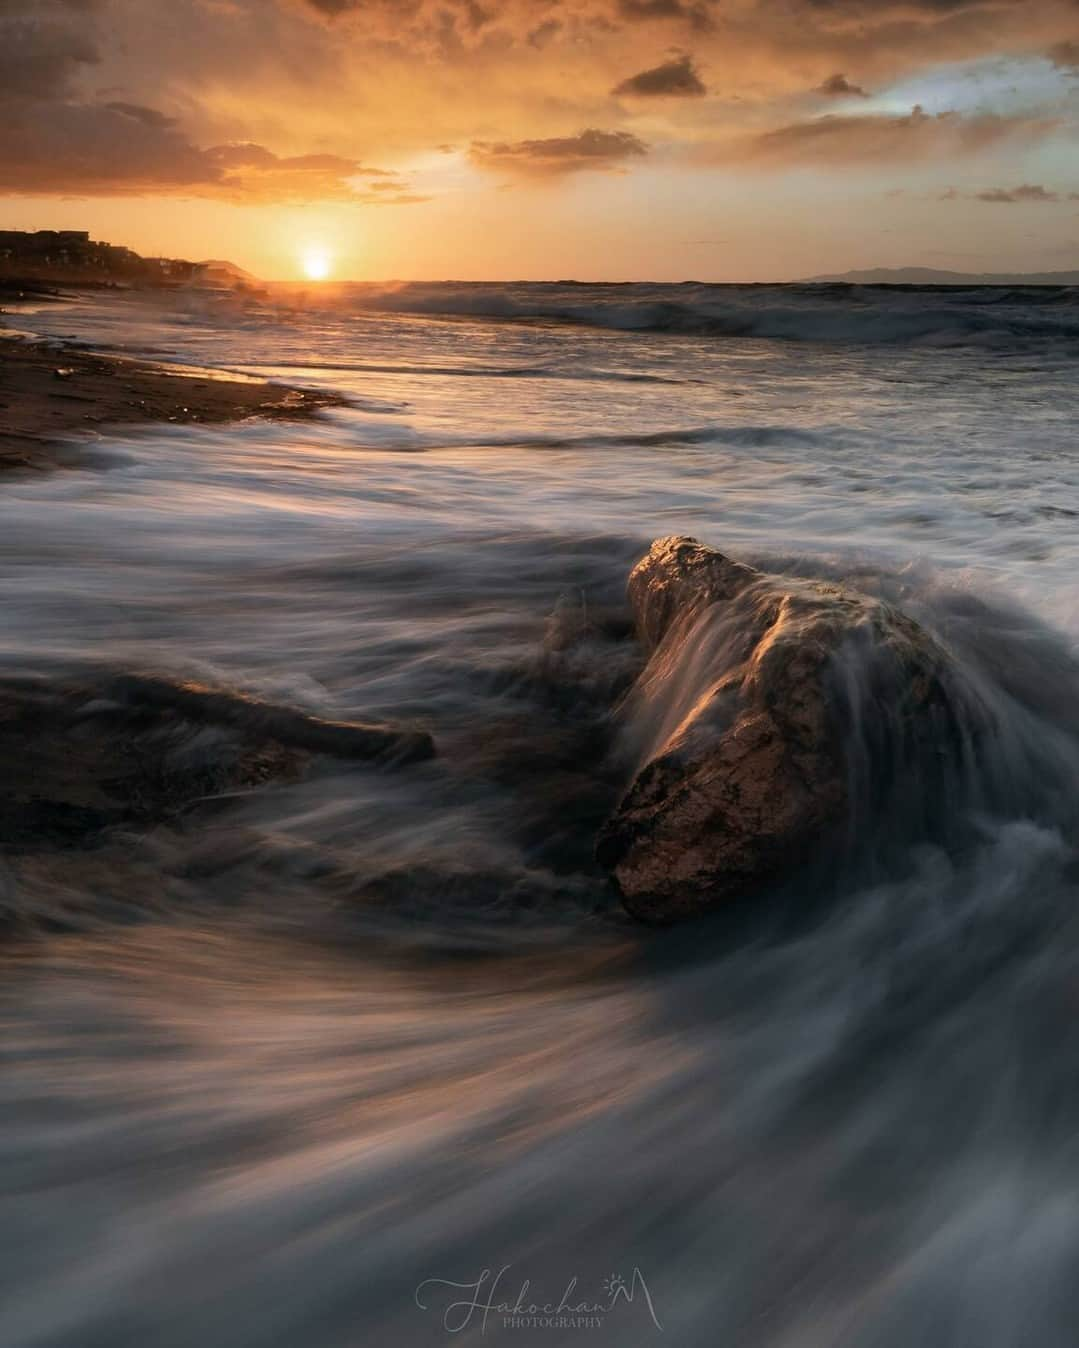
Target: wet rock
(770, 709)
(268, 721)
(83, 756)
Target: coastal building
(71, 255)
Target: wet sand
(51, 392)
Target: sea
(375, 1059)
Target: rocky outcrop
(80, 756)
(771, 707)
(223, 707)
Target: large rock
(81, 756)
(770, 710)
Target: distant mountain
(929, 276)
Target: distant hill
(929, 276)
(222, 272)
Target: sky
(725, 140)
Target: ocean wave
(984, 316)
(733, 437)
(382, 1028)
(551, 371)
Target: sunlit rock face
(772, 713)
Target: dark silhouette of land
(71, 257)
(930, 276)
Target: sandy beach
(52, 392)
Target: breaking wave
(932, 316)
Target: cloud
(838, 86)
(878, 138)
(120, 149)
(147, 116)
(697, 14)
(57, 138)
(544, 33)
(386, 18)
(1028, 192)
(41, 56)
(96, 149)
(557, 155)
(651, 9)
(516, 17)
(248, 172)
(334, 7)
(93, 98)
(676, 78)
(1065, 55)
(887, 11)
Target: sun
(316, 263)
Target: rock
(269, 721)
(78, 757)
(766, 713)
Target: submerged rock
(78, 757)
(770, 708)
(269, 721)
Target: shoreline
(52, 392)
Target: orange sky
(608, 139)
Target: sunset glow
(598, 139)
(316, 264)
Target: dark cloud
(41, 56)
(651, 9)
(888, 9)
(334, 7)
(58, 139)
(591, 149)
(838, 86)
(697, 13)
(1009, 195)
(677, 78)
(118, 149)
(41, 8)
(476, 16)
(139, 113)
(96, 149)
(473, 14)
(544, 33)
(879, 137)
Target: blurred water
(371, 1030)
